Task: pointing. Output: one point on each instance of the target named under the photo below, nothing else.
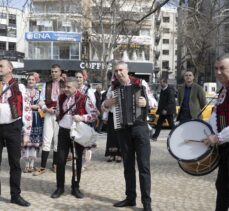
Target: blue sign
(53, 36)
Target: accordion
(125, 111)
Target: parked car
(153, 117)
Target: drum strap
(208, 103)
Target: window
(40, 50)
(166, 19)
(165, 52)
(12, 46)
(165, 64)
(12, 20)
(145, 32)
(3, 15)
(2, 45)
(166, 30)
(12, 32)
(165, 41)
(3, 30)
(66, 51)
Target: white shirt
(5, 112)
(224, 134)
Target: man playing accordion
(133, 138)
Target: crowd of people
(33, 120)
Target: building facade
(64, 32)
(165, 47)
(12, 29)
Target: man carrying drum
(219, 122)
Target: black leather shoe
(57, 193)
(147, 207)
(77, 193)
(20, 201)
(125, 203)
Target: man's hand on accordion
(141, 102)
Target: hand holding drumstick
(210, 140)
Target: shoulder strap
(72, 105)
(7, 88)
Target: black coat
(167, 101)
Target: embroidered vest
(222, 111)
(15, 101)
(48, 93)
(79, 107)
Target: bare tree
(115, 22)
(199, 23)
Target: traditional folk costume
(89, 93)
(15, 119)
(134, 141)
(31, 149)
(49, 95)
(220, 125)
(85, 108)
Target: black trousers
(160, 121)
(222, 181)
(64, 144)
(134, 141)
(10, 136)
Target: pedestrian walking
(166, 107)
(15, 120)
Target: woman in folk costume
(84, 88)
(31, 149)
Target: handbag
(83, 134)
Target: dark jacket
(167, 101)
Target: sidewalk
(103, 184)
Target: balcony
(157, 54)
(157, 38)
(157, 21)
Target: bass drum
(185, 144)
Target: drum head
(184, 141)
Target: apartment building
(62, 32)
(165, 45)
(12, 28)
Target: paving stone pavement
(103, 184)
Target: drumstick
(191, 140)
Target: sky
(13, 3)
